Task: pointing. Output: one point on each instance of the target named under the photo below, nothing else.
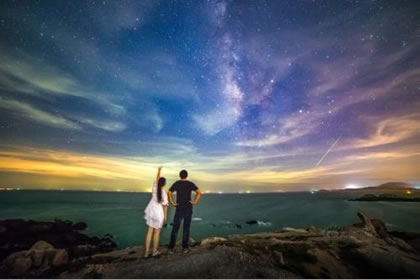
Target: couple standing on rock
(156, 212)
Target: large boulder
(16, 264)
(41, 256)
(42, 246)
(18, 235)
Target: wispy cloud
(104, 125)
(37, 115)
(26, 74)
(391, 130)
(286, 130)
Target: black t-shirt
(183, 191)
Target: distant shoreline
(105, 191)
(395, 187)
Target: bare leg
(147, 241)
(156, 235)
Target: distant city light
(408, 192)
(312, 191)
(219, 192)
(352, 186)
(248, 191)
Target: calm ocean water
(121, 214)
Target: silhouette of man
(184, 209)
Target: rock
(278, 256)
(402, 244)
(390, 241)
(366, 223)
(37, 257)
(20, 266)
(84, 250)
(296, 230)
(251, 222)
(412, 238)
(211, 240)
(379, 227)
(41, 227)
(16, 264)
(12, 257)
(389, 263)
(18, 235)
(42, 246)
(355, 252)
(39, 252)
(79, 226)
(325, 265)
(61, 258)
(312, 229)
(238, 226)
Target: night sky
(246, 95)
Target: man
(184, 207)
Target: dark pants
(181, 214)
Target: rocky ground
(364, 250)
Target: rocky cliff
(363, 250)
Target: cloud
(104, 125)
(211, 172)
(381, 155)
(288, 129)
(26, 74)
(34, 114)
(391, 130)
(334, 85)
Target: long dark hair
(161, 183)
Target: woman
(155, 214)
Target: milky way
(247, 95)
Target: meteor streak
(329, 150)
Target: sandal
(157, 253)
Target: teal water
(121, 214)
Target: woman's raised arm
(158, 173)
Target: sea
(121, 213)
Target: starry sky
(246, 95)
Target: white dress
(153, 214)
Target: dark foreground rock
(363, 250)
(18, 235)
